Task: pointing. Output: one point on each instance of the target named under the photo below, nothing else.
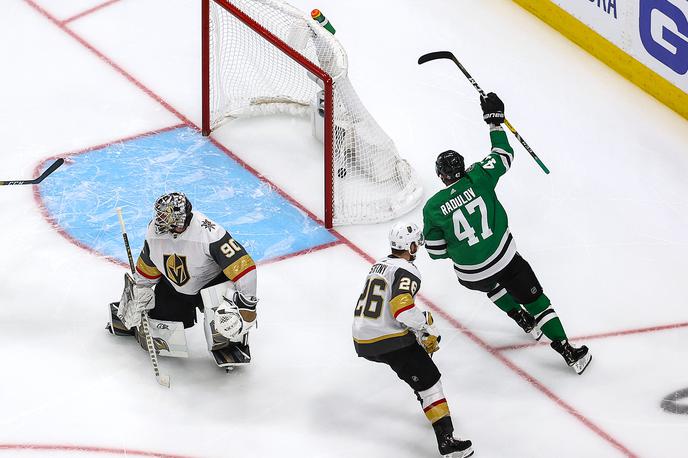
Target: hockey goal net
(266, 57)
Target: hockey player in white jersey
(390, 328)
(187, 262)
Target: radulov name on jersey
(458, 201)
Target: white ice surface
(606, 232)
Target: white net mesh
(250, 76)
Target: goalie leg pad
(115, 325)
(169, 338)
(213, 337)
(212, 297)
(224, 320)
(233, 353)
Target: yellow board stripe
(238, 267)
(402, 301)
(610, 54)
(377, 339)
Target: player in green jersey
(466, 223)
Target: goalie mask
(403, 235)
(172, 213)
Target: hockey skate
(454, 448)
(526, 321)
(577, 358)
(448, 446)
(234, 354)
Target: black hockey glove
(493, 109)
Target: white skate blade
(580, 365)
(536, 333)
(462, 454)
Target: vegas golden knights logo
(176, 269)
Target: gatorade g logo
(176, 269)
(664, 33)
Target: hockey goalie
(189, 262)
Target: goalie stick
(163, 380)
(449, 55)
(47, 172)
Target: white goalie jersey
(193, 258)
(386, 315)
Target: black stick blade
(49, 170)
(435, 55)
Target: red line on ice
(81, 448)
(88, 11)
(49, 218)
(171, 109)
(44, 211)
(602, 335)
(530, 379)
(460, 327)
(300, 253)
(511, 365)
(107, 60)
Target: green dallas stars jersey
(467, 223)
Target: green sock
(504, 300)
(547, 318)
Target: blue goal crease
(82, 196)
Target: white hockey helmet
(403, 234)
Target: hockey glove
(493, 109)
(427, 336)
(430, 343)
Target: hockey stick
(47, 172)
(449, 55)
(163, 380)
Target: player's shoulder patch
(206, 228)
(207, 224)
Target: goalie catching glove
(428, 336)
(234, 317)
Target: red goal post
(364, 178)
